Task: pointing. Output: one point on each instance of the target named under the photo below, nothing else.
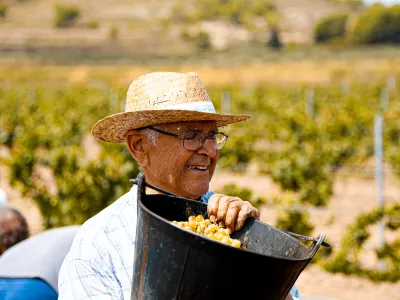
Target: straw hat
(162, 97)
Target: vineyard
(299, 135)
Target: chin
(197, 191)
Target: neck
(165, 186)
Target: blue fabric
(294, 292)
(25, 289)
(206, 196)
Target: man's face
(173, 168)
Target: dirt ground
(352, 195)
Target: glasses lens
(193, 141)
(220, 140)
(196, 140)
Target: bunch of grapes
(205, 227)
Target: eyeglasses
(195, 140)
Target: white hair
(152, 135)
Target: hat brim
(115, 127)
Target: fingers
(242, 216)
(246, 211)
(212, 207)
(257, 214)
(223, 207)
(232, 214)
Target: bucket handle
(321, 238)
(308, 238)
(317, 242)
(145, 183)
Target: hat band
(203, 106)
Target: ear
(137, 146)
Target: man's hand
(289, 297)
(230, 212)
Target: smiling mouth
(199, 168)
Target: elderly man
(171, 129)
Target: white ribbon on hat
(202, 106)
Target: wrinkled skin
(168, 165)
(230, 212)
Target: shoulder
(56, 240)
(106, 230)
(57, 235)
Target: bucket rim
(206, 239)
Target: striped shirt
(100, 262)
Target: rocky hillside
(151, 25)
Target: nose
(207, 149)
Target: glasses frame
(191, 135)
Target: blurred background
(320, 78)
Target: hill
(155, 27)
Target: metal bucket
(173, 263)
